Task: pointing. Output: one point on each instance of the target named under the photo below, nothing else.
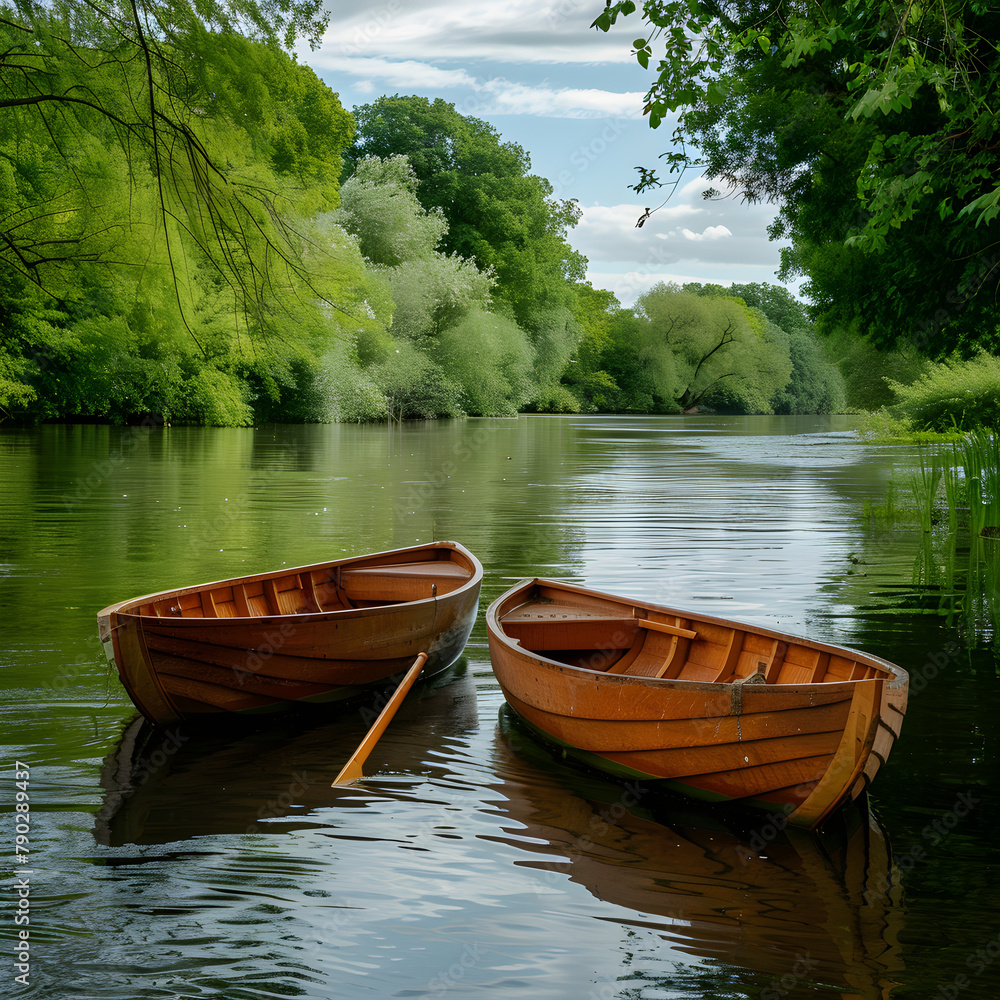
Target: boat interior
(338, 587)
(623, 639)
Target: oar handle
(352, 769)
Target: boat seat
(436, 567)
(660, 654)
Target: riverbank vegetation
(196, 231)
(949, 492)
(872, 128)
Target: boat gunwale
(897, 677)
(128, 609)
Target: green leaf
(988, 206)
(716, 93)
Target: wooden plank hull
(716, 709)
(310, 634)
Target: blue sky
(572, 97)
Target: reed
(960, 482)
(979, 453)
(924, 486)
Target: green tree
(498, 214)
(443, 351)
(872, 126)
(816, 384)
(379, 207)
(631, 377)
(491, 358)
(594, 311)
(138, 82)
(127, 306)
(775, 301)
(723, 353)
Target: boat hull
(797, 748)
(311, 634)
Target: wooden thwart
(352, 769)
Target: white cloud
(564, 102)
(571, 97)
(387, 75)
(608, 233)
(498, 96)
(712, 233)
(515, 31)
(627, 287)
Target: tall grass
(979, 454)
(965, 480)
(924, 487)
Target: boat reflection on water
(173, 783)
(799, 908)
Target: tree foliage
(379, 207)
(490, 357)
(498, 214)
(720, 350)
(872, 126)
(445, 352)
(955, 394)
(680, 350)
(174, 96)
(816, 384)
(118, 273)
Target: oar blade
(351, 771)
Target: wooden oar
(352, 769)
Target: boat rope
(736, 695)
(736, 706)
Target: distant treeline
(307, 264)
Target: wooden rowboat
(311, 634)
(716, 709)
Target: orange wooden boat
(311, 634)
(714, 708)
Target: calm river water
(472, 863)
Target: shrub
(490, 357)
(214, 398)
(951, 394)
